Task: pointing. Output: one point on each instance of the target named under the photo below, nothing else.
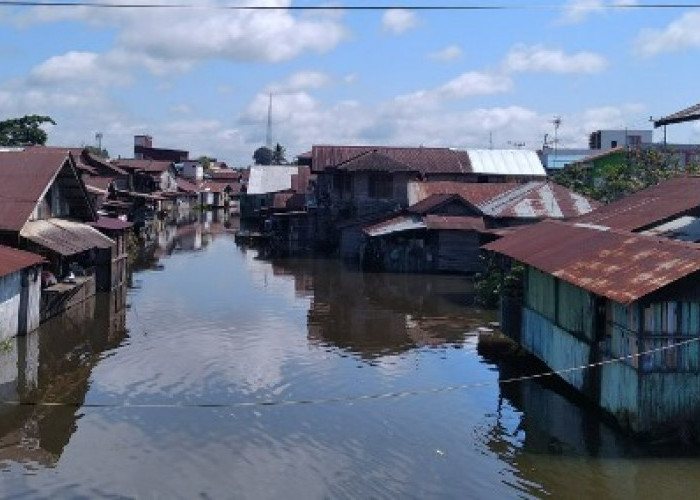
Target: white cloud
(399, 21)
(682, 33)
(577, 11)
(80, 67)
(167, 40)
(303, 80)
(541, 59)
(449, 53)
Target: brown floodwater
(221, 375)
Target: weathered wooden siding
(540, 293)
(575, 309)
(458, 251)
(556, 347)
(619, 393)
(669, 398)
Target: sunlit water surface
(227, 376)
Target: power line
(352, 398)
(472, 7)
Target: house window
(613, 144)
(381, 185)
(634, 140)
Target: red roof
(436, 200)
(474, 193)
(111, 224)
(186, 186)
(24, 177)
(12, 260)
(454, 222)
(150, 166)
(650, 206)
(417, 159)
(618, 265)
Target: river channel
(219, 374)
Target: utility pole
(98, 138)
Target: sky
(200, 77)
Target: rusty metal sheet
(65, 237)
(650, 206)
(24, 177)
(454, 222)
(474, 193)
(620, 266)
(418, 159)
(12, 260)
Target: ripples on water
(233, 377)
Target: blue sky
(199, 78)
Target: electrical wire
(351, 398)
(421, 7)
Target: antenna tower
(268, 137)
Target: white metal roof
(396, 225)
(506, 162)
(270, 178)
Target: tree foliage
(263, 156)
(278, 155)
(101, 152)
(25, 131)
(205, 161)
(639, 169)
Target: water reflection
(373, 315)
(53, 365)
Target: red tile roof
(650, 206)
(12, 260)
(618, 265)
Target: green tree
(278, 155)
(639, 169)
(25, 131)
(102, 153)
(205, 161)
(263, 156)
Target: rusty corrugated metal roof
(24, 177)
(418, 159)
(685, 115)
(12, 260)
(149, 166)
(111, 224)
(621, 266)
(474, 193)
(454, 222)
(436, 200)
(536, 199)
(539, 200)
(64, 237)
(650, 206)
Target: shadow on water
(53, 365)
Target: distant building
(144, 150)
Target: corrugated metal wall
(458, 251)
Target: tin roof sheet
(454, 222)
(396, 225)
(685, 115)
(150, 166)
(685, 228)
(538, 200)
(474, 193)
(518, 162)
(25, 176)
(418, 159)
(12, 260)
(270, 178)
(111, 224)
(650, 206)
(64, 237)
(621, 266)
